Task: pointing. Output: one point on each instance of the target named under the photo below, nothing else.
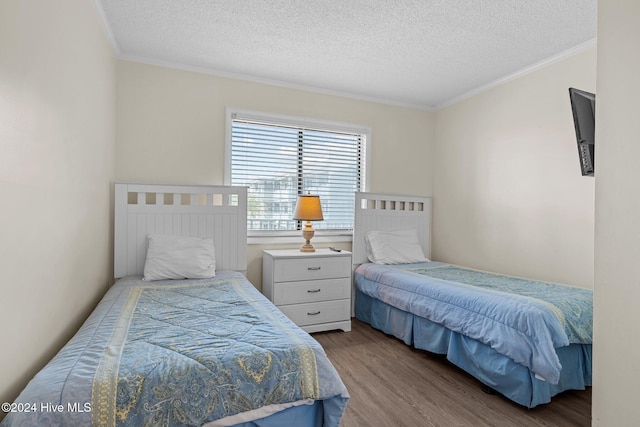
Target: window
(280, 157)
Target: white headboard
(387, 212)
(218, 212)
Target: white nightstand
(312, 288)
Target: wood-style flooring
(392, 384)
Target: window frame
(294, 236)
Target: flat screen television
(583, 105)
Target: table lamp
(308, 209)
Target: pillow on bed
(394, 247)
(177, 257)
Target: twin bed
(526, 339)
(201, 351)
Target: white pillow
(394, 247)
(176, 257)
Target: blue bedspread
(182, 353)
(522, 319)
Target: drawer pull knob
(313, 291)
(314, 313)
(313, 268)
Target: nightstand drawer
(290, 270)
(318, 312)
(311, 291)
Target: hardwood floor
(392, 384)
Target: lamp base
(307, 247)
(307, 234)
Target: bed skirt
(498, 372)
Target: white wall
(508, 193)
(171, 129)
(57, 130)
(617, 278)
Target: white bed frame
(218, 212)
(386, 212)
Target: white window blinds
(279, 159)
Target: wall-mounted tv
(583, 105)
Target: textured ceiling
(419, 53)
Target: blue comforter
(519, 318)
(181, 353)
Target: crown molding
(527, 70)
(272, 82)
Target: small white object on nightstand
(312, 288)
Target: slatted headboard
(218, 212)
(387, 212)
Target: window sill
(271, 239)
